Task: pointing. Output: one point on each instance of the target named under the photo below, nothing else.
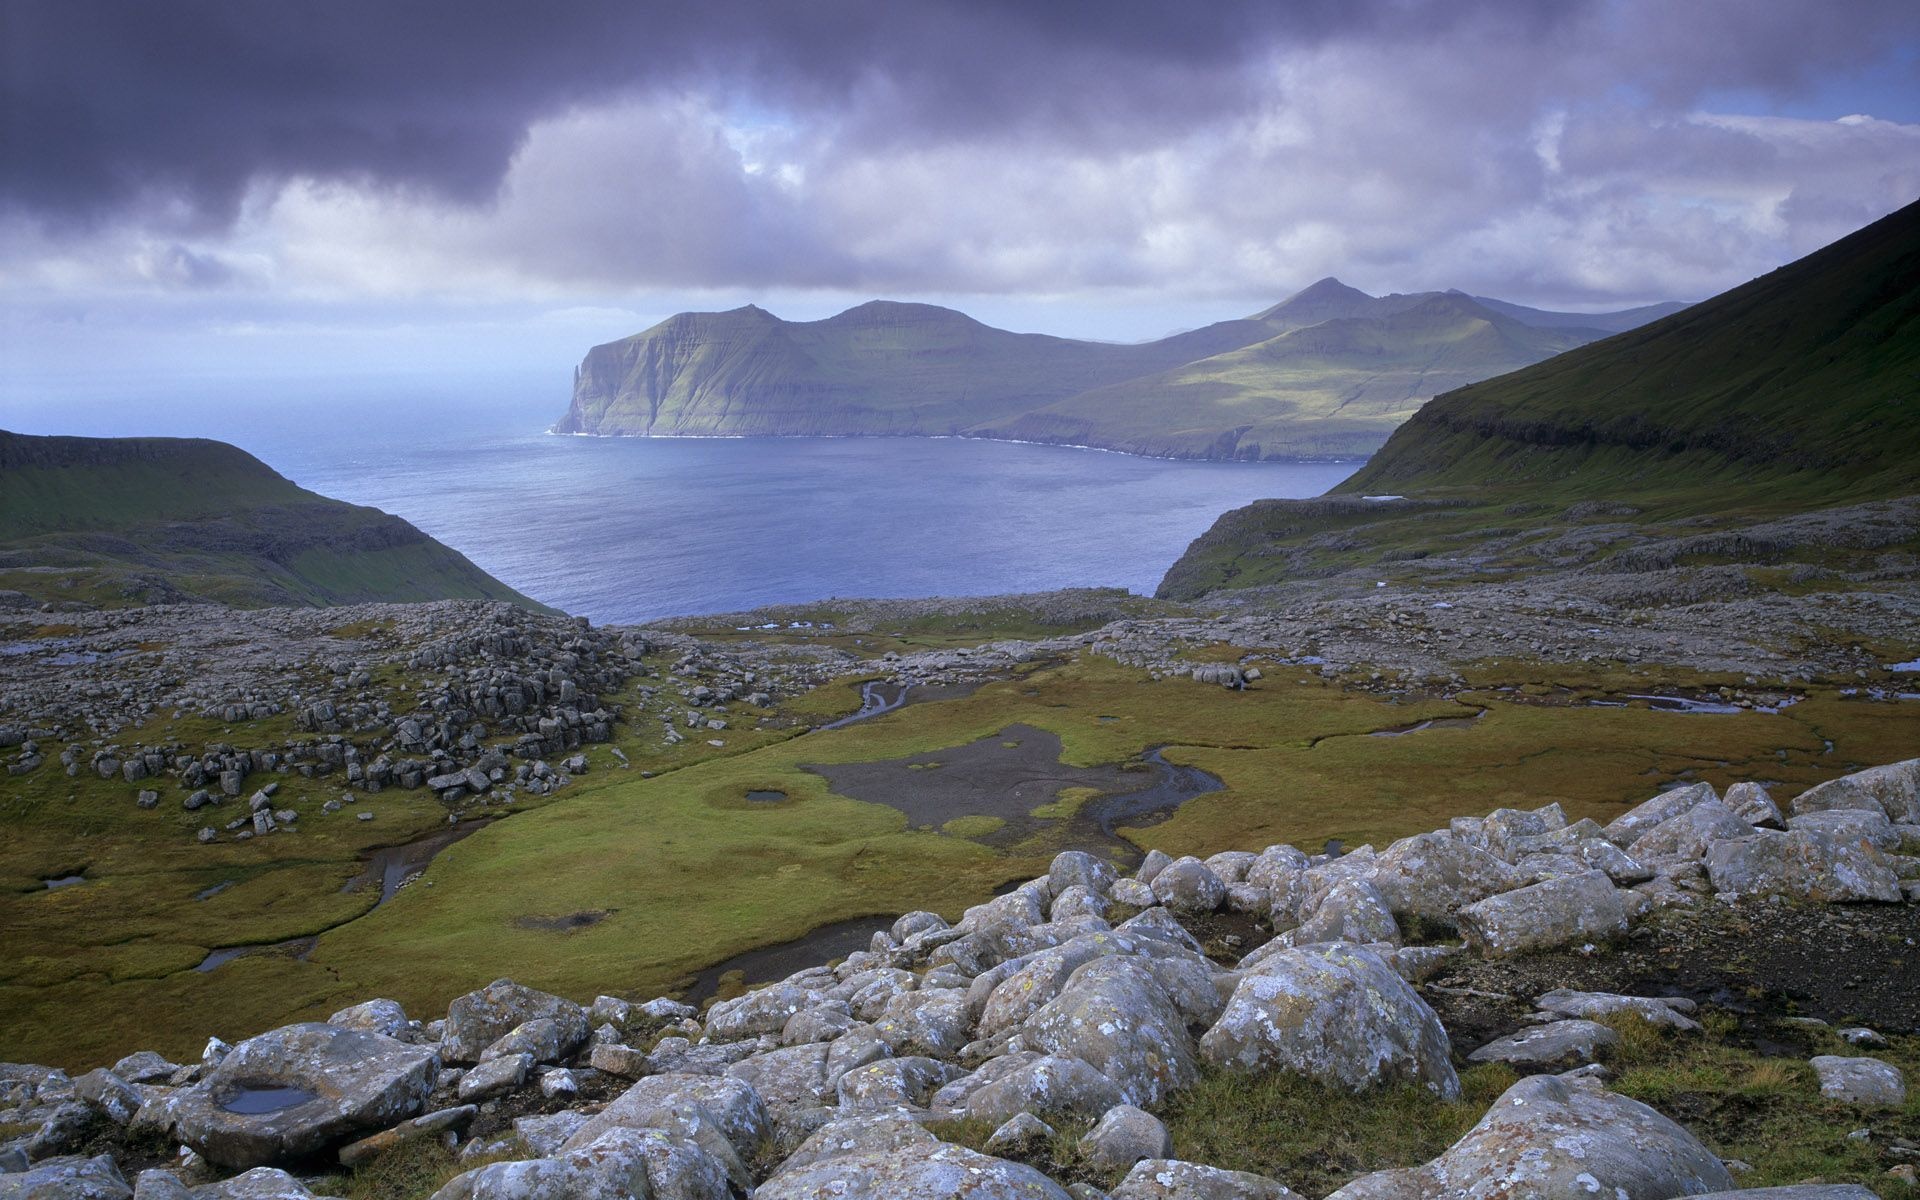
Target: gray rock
(1021, 1132)
(731, 1106)
(1849, 825)
(1797, 1191)
(108, 1095)
(358, 1081)
(764, 1011)
(384, 1017)
(793, 1077)
(1555, 1046)
(900, 1161)
(1802, 864)
(495, 1077)
(1188, 885)
(1668, 1012)
(545, 1135)
(1124, 1136)
(1335, 1013)
(1689, 834)
(1553, 1137)
(1077, 902)
(1430, 876)
(1155, 862)
(1171, 1179)
(1077, 868)
(543, 1039)
(1866, 1082)
(1752, 804)
(1627, 827)
(1353, 910)
(1048, 1085)
(894, 1083)
(145, 1066)
(1133, 892)
(367, 1149)
(1578, 908)
(1117, 1017)
(68, 1177)
(1893, 790)
(622, 1164)
(478, 1019)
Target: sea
(626, 530)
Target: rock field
(1078, 996)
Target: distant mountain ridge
(108, 522)
(1237, 389)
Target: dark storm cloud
(179, 106)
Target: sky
(379, 189)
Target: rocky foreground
(1080, 996)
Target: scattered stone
(1866, 1082)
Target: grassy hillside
(1796, 391)
(1333, 389)
(1223, 391)
(116, 521)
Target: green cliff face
(115, 521)
(1796, 391)
(1355, 366)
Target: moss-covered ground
(689, 873)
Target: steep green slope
(889, 368)
(1332, 389)
(114, 521)
(1797, 391)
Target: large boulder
(1189, 885)
(479, 1019)
(1575, 908)
(1353, 910)
(1123, 1136)
(1625, 829)
(1555, 1046)
(67, 1177)
(1550, 1137)
(1430, 876)
(621, 1164)
(1850, 825)
(293, 1092)
(1691, 833)
(1336, 1013)
(1171, 1179)
(1803, 864)
(670, 1102)
(1077, 868)
(900, 1161)
(1052, 1085)
(1893, 790)
(1116, 1016)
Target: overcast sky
(380, 185)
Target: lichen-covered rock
(1752, 803)
(352, 1082)
(1431, 875)
(1553, 1137)
(894, 1083)
(1049, 1085)
(1688, 834)
(1625, 829)
(909, 1167)
(1123, 1136)
(1353, 910)
(1892, 789)
(1576, 908)
(932, 1022)
(1077, 868)
(478, 1019)
(384, 1017)
(794, 1077)
(621, 1164)
(1114, 1015)
(1189, 885)
(1335, 1013)
(1846, 825)
(1667, 1012)
(1867, 1082)
(1554, 1046)
(1171, 1179)
(67, 1177)
(729, 1105)
(1804, 864)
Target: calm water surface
(627, 529)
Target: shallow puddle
(254, 1101)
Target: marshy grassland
(631, 884)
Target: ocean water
(628, 529)
(631, 529)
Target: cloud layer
(1565, 152)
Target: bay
(630, 529)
